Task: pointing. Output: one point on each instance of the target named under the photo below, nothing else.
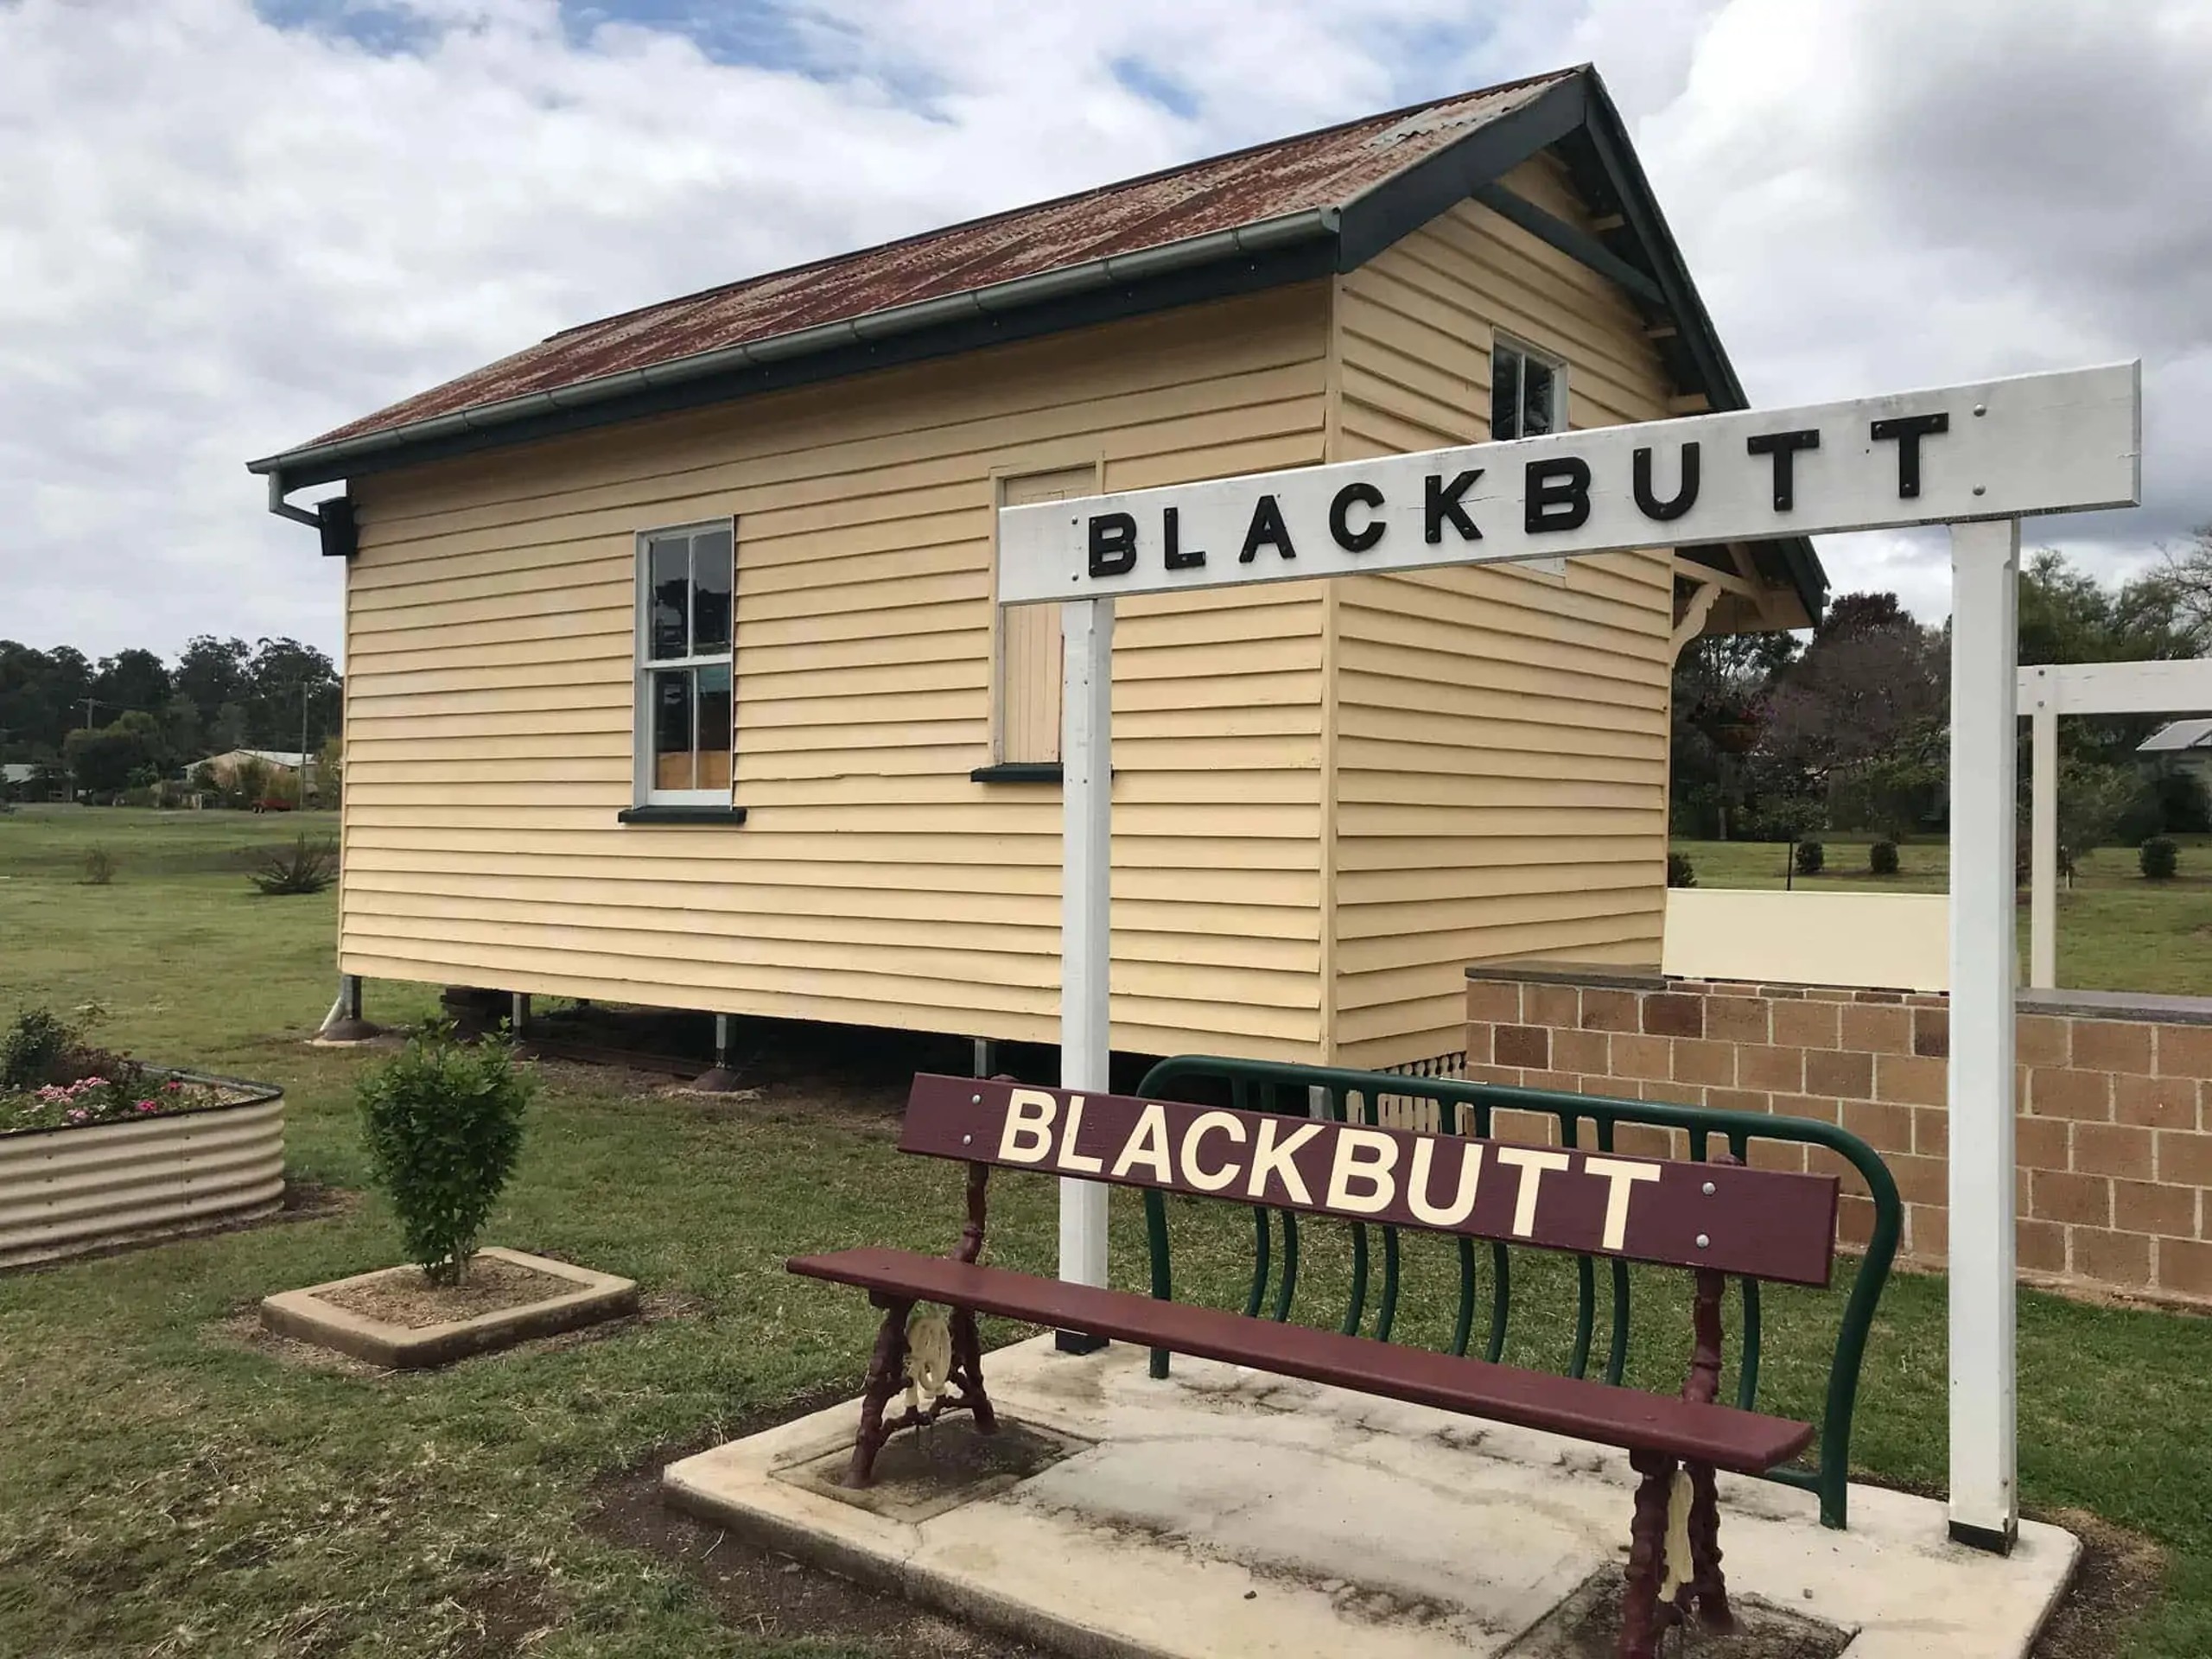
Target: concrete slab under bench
(1225, 1511)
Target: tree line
(1777, 738)
(131, 720)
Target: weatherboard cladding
(1313, 171)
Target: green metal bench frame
(1464, 1108)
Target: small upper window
(684, 590)
(1528, 392)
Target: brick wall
(2115, 1138)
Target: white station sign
(2034, 444)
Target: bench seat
(1746, 1441)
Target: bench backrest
(1757, 1224)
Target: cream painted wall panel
(489, 618)
(1501, 736)
(1885, 941)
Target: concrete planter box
(592, 1297)
(65, 1192)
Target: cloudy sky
(227, 226)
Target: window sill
(729, 816)
(1017, 771)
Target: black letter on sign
(1172, 526)
(1557, 494)
(1266, 530)
(1783, 447)
(1685, 496)
(1355, 540)
(1440, 501)
(1113, 544)
(1907, 430)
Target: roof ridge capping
(1407, 116)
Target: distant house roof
(17, 772)
(2177, 735)
(1289, 211)
(290, 760)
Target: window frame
(1500, 340)
(1552, 570)
(644, 794)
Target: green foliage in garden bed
(52, 1077)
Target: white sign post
(1086, 863)
(1978, 457)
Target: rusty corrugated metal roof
(1314, 171)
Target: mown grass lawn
(168, 1487)
(2116, 930)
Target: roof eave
(1708, 358)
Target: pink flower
(149, 1105)
(173, 1084)
(78, 1115)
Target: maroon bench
(1715, 1218)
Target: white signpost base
(1977, 457)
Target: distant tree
(131, 679)
(2185, 584)
(330, 772)
(1853, 726)
(69, 681)
(30, 718)
(1718, 713)
(2093, 799)
(228, 730)
(2066, 616)
(101, 760)
(213, 672)
(249, 782)
(292, 691)
(183, 741)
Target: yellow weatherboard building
(673, 675)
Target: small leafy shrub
(443, 1123)
(35, 1047)
(1811, 855)
(307, 866)
(100, 867)
(1681, 872)
(2159, 858)
(1882, 858)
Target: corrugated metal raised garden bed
(195, 1151)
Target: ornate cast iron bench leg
(967, 1371)
(887, 1366)
(1644, 1617)
(1706, 1587)
(887, 1374)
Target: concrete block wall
(2114, 1132)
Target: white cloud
(223, 236)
